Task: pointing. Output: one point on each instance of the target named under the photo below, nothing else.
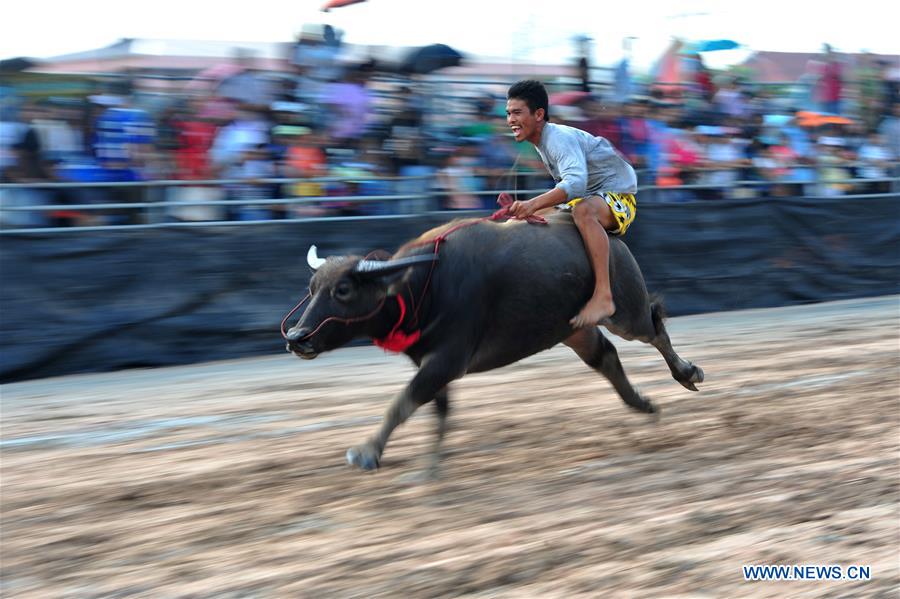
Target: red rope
(397, 340)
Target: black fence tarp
(87, 301)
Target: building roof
(163, 55)
(790, 66)
(175, 47)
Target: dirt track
(228, 479)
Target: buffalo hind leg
(651, 329)
(428, 383)
(601, 355)
(683, 371)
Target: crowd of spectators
(340, 131)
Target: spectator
(623, 88)
(254, 164)
(772, 163)
(602, 119)
(785, 171)
(701, 83)
(869, 90)
(304, 158)
(66, 158)
(831, 83)
(889, 73)
(61, 138)
(125, 138)
(674, 157)
(582, 62)
(459, 181)
(497, 157)
(195, 132)
(316, 60)
(876, 160)
(834, 168)
(248, 87)
(125, 147)
(481, 128)
(793, 143)
(720, 158)
(730, 101)
(26, 164)
(247, 131)
(890, 131)
(349, 105)
(635, 133)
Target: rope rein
(330, 318)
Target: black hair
(533, 93)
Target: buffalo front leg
(600, 354)
(441, 407)
(429, 383)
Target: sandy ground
(228, 479)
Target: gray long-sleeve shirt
(582, 164)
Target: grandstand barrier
(106, 298)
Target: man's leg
(593, 217)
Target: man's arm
(567, 155)
(555, 196)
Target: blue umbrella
(715, 45)
(430, 58)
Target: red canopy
(338, 4)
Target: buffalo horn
(379, 268)
(313, 258)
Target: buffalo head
(347, 294)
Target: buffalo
(472, 296)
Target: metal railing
(155, 213)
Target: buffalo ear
(379, 269)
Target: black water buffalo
(492, 294)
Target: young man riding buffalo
(462, 298)
(591, 178)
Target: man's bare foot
(593, 312)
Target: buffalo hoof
(363, 457)
(639, 403)
(652, 410)
(696, 377)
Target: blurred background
(346, 99)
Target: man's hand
(518, 210)
(522, 210)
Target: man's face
(522, 121)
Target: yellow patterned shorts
(622, 205)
